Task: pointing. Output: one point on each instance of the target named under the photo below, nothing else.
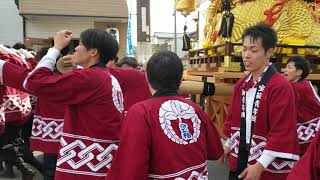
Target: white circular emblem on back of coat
(117, 96)
(174, 111)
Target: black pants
(27, 129)
(27, 154)
(233, 176)
(10, 134)
(49, 166)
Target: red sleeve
(308, 167)
(227, 126)
(32, 63)
(309, 97)
(13, 76)
(117, 73)
(297, 95)
(15, 60)
(214, 145)
(282, 122)
(132, 158)
(68, 88)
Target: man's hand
(225, 158)
(62, 39)
(252, 172)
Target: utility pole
(175, 27)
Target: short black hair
(116, 59)
(264, 32)
(19, 45)
(30, 49)
(42, 52)
(164, 70)
(105, 43)
(130, 61)
(301, 64)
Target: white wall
(11, 30)
(144, 52)
(46, 26)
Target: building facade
(42, 18)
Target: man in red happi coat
(133, 85)
(307, 100)
(47, 128)
(261, 120)
(16, 111)
(93, 99)
(167, 136)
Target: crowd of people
(99, 121)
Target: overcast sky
(162, 19)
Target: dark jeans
(8, 155)
(10, 134)
(27, 154)
(233, 176)
(49, 166)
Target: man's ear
(299, 72)
(270, 52)
(94, 52)
(146, 76)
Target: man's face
(291, 72)
(126, 66)
(253, 54)
(111, 63)
(81, 55)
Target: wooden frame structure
(222, 64)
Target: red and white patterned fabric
(47, 126)
(85, 156)
(308, 109)
(133, 85)
(258, 144)
(274, 130)
(93, 101)
(15, 102)
(165, 137)
(308, 167)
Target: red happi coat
(308, 109)
(33, 99)
(47, 126)
(14, 76)
(16, 103)
(133, 85)
(91, 122)
(31, 62)
(274, 130)
(48, 117)
(308, 167)
(151, 144)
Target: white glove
(26, 53)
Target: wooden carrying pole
(188, 87)
(195, 87)
(64, 64)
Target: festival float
(213, 69)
